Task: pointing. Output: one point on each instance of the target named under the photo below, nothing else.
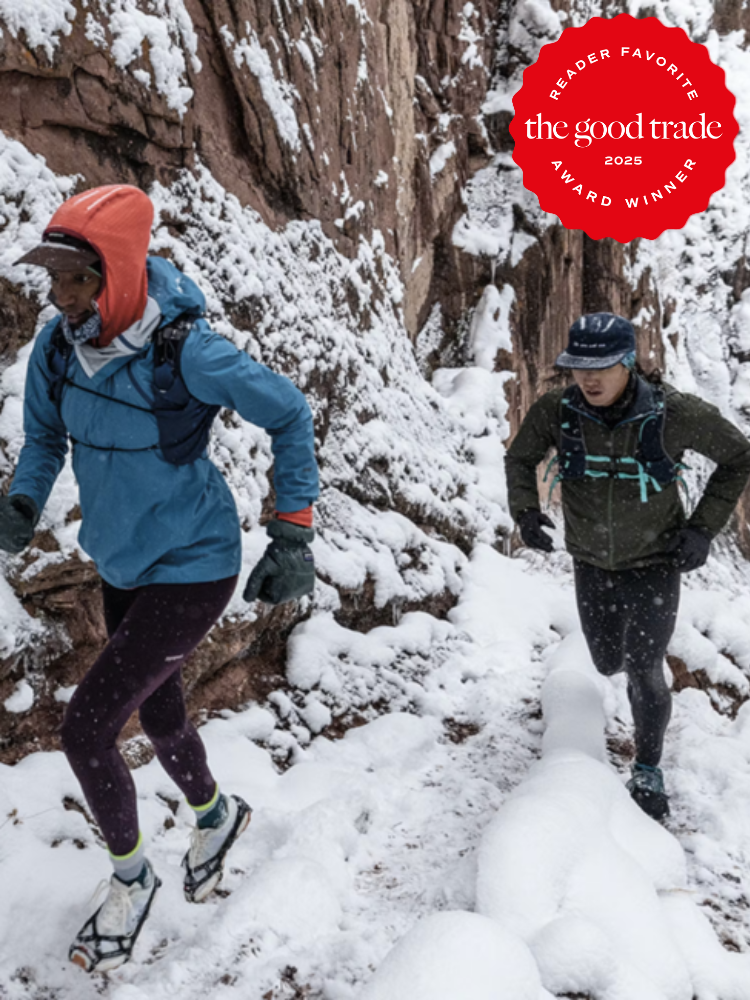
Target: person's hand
(18, 518)
(530, 524)
(287, 569)
(689, 549)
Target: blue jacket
(144, 520)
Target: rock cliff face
(368, 116)
(376, 87)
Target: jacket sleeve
(536, 435)
(712, 435)
(45, 437)
(216, 372)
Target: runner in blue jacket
(132, 376)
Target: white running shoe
(204, 862)
(106, 940)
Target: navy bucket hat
(598, 340)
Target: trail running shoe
(204, 862)
(106, 940)
(646, 788)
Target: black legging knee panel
(628, 617)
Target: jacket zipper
(628, 437)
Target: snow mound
(595, 888)
(393, 739)
(290, 897)
(454, 954)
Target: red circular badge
(624, 128)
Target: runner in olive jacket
(606, 523)
(619, 443)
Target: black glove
(690, 548)
(18, 517)
(530, 525)
(287, 569)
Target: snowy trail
(598, 890)
(362, 838)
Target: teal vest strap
(651, 466)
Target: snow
(487, 227)
(497, 101)
(359, 9)
(64, 694)
(471, 56)
(29, 194)
(278, 94)
(490, 326)
(440, 157)
(569, 842)
(18, 630)
(308, 58)
(476, 397)
(474, 394)
(41, 22)
(169, 35)
(573, 865)
(429, 339)
(455, 954)
(22, 698)
(95, 31)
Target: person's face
(73, 293)
(602, 386)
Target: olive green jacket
(606, 522)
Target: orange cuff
(302, 517)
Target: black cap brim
(58, 257)
(566, 360)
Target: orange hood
(116, 221)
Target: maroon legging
(152, 630)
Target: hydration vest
(650, 464)
(183, 422)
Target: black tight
(152, 630)
(628, 617)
